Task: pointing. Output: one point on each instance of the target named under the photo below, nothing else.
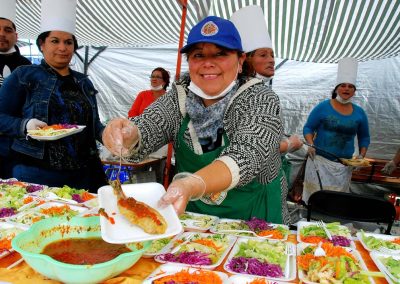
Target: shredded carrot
(396, 241)
(276, 234)
(312, 239)
(28, 199)
(258, 281)
(184, 276)
(54, 126)
(208, 243)
(5, 243)
(337, 251)
(87, 196)
(56, 210)
(304, 261)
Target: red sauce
(84, 251)
(139, 209)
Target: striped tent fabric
(302, 30)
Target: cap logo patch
(209, 29)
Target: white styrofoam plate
(168, 269)
(198, 222)
(4, 233)
(186, 236)
(123, 231)
(71, 131)
(378, 236)
(241, 279)
(377, 257)
(289, 271)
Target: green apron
(252, 200)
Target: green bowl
(31, 242)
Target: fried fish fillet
(139, 213)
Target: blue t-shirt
(335, 131)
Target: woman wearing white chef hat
(52, 93)
(332, 126)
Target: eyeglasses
(155, 77)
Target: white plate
(78, 209)
(6, 226)
(288, 275)
(302, 224)
(189, 235)
(172, 269)
(378, 236)
(377, 258)
(192, 223)
(215, 229)
(123, 231)
(71, 131)
(356, 254)
(241, 279)
(165, 248)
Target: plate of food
(168, 273)
(7, 233)
(137, 217)
(248, 279)
(312, 233)
(55, 131)
(389, 265)
(201, 250)
(339, 265)
(379, 242)
(159, 246)
(253, 228)
(197, 222)
(270, 259)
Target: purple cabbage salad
(255, 224)
(341, 241)
(34, 187)
(77, 198)
(254, 267)
(7, 212)
(192, 257)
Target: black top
(12, 61)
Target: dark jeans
(90, 178)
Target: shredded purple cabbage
(6, 212)
(34, 187)
(340, 241)
(67, 125)
(257, 225)
(255, 267)
(77, 198)
(188, 257)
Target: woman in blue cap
(226, 132)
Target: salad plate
(54, 134)
(66, 194)
(58, 209)
(201, 250)
(266, 259)
(183, 274)
(241, 279)
(375, 242)
(7, 232)
(388, 264)
(347, 259)
(310, 232)
(254, 228)
(122, 231)
(196, 222)
(159, 246)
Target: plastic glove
(311, 152)
(34, 124)
(360, 157)
(294, 143)
(389, 168)
(185, 187)
(119, 136)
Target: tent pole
(177, 74)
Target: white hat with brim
(8, 10)
(347, 71)
(58, 15)
(250, 22)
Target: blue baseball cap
(215, 30)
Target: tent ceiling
(307, 30)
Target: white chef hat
(8, 9)
(347, 71)
(58, 15)
(250, 22)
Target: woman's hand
(185, 187)
(120, 135)
(294, 143)
(311, 152)
(389, 168)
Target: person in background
(260, 63)
(10, 59)
(159, 81)
(332, 126)
(391, 166)
(52, 93)
(226, 132)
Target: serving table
(22, 273)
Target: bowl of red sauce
(72, 251)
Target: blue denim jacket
(25, 94)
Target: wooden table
(136, 274)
